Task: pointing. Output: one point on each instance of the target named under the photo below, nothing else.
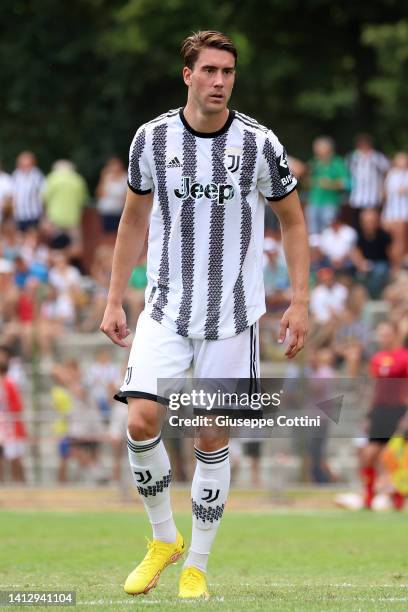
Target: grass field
(282, 560)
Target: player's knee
(142, 424)
(209, 441)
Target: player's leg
(150, 465)
(157, 353)
(368, 470)
(383, 422)
(209, 492)
(231, 358)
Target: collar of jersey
(224, 128)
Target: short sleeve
(139, 175)
(383, 163)
(275, 180)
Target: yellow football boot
(159, 555)
(193, 584)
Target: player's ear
(187, 75)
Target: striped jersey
(396, 190)
(27, 188)
(367, 177)
(205, 248)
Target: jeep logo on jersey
(218, 192)
(283, 169)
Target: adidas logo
(174, 163)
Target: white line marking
(150, 602)
(142, 602)
(331, 585)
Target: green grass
(282, 560)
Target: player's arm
(296, 247)
(128, 250)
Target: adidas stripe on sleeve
(139, 175)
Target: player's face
(211, 80)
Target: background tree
(77, 78)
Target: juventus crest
(233, 162)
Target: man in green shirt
(65, 194)
(328, 179)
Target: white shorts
(159, 353)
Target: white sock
(209, 493)
(151, 471)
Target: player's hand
(114, 325)
(295, 319)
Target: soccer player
(198, 179)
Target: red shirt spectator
(11, 406)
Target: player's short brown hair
(193, 44)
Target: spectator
(28, 182)
(328, 180)
(277, 292)
(111, 194)
(395, 214)
(36, 254)
(67, 281)
(396, 296)
(336, 243)
(352, 334)
(103, 379)
(100, 276)
(328, 298)
(65, 194)
(16, 371)
(371, 254)
(33, 248)
(320, 386)
(6, 194)
(10, 240)
(12, 430)
(85, 429)
(367, 168)
(53, 316)
(8, 292)
(20, 325)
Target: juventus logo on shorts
(128, 375)
(234, 162)
(211, 496)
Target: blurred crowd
(356, 209)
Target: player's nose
(219, 81)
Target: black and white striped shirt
(396, 190)
(205, 254)
(367, 178)
(27, 187)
